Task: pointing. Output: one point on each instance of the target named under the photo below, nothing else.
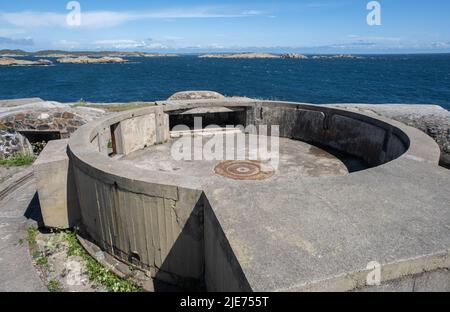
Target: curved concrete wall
(156, 220)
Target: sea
(407, 79)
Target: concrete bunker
(38, 136)
(163, 222)
(218, 116)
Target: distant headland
(72, 54)
(60, 54)
(254, 55)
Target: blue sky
(308, 26)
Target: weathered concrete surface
(132, 134)
(17, 272)
(56, 187)
(317, 233)
(436, 281)
(152, 228)
(329, 230)
(297, 160)
(431, 119)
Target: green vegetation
(17, 160)
(31, 235)
(42, 260)
(98, 273)
(114, 107)
(38, 147)
(53, 286)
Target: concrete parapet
(56, 187)
(242, 236)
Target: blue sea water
(423, 79)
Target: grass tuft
(18, 160)
(42, 260)
(98, 273)
(32, 232)
(54, 286)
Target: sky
(304, 26)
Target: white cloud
(440, 45)
(97, 19)
(130, 44)
(68, 44)
(8, 32)
(375, 38)
(16, 42)
(252, 12)
(31, 19)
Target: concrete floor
(296, 160)
(17, 272)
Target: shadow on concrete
(352, 163)
(213, 251)
(184, 266)
(445, 161)
(33, 211)
(73, 206)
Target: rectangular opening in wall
(112, 143)
(218, 116)
(40, 136)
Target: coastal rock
(18, 102)
(37, 120)
(242, 56)
(89, 60)
(12, 142)
(9, 61)
(195, 95)
(107, 54)
(338, 56)
(294, 56)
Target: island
(9, 61)
(255, 55)
(90, 60)
(338, 56)
(73, 54)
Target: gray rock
(195, 95)
(12, 143)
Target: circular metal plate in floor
(244, 170)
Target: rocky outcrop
(431, 119)
(9, 61)
(294, 56)
(20, 120)
(12, 143)
(17, 102)
(63, 54)
(242, 56)
(195, 95)
(90, 60)
(338, 56)
(280, 56)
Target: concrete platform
(298, 230)
(297, 160)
